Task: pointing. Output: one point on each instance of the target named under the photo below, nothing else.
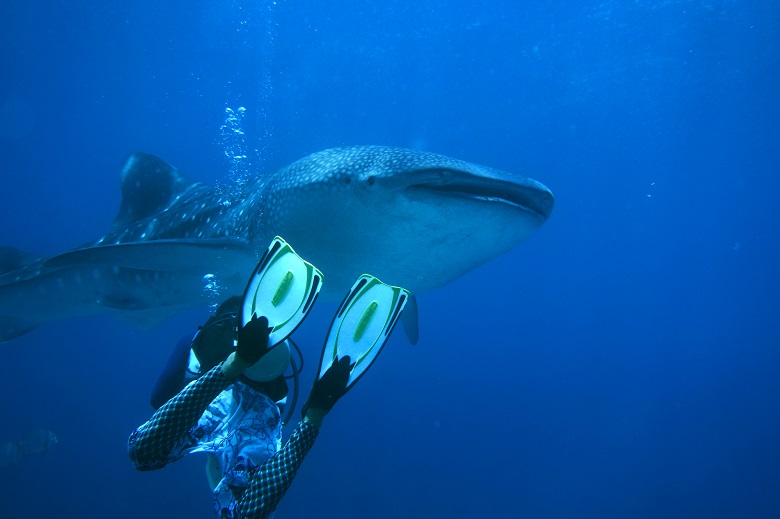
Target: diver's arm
(272, 480)
(150, 445)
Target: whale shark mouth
(532, 199)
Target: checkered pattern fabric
(150, 445)
(184, 424)
(270, 482)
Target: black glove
(253, 340)
(333, 385)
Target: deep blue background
(621, 363)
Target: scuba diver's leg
(274, 477)
(366, 325)
(152, 445)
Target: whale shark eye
(347, 180)
(370, 180)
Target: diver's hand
(253, 340)
(327, 390)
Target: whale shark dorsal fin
(13, 259)
(149, 185)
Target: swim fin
(283, 288)
(362, 325)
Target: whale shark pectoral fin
(227, 255)
(409, 320)
(150, 318)
(11, 328)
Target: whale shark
(412, 218)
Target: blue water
(621, 363)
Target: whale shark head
(412, 218)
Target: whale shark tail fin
(15, 265)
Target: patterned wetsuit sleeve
(150, 445)
(271, 480)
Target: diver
(227, 401)
(231, 417)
